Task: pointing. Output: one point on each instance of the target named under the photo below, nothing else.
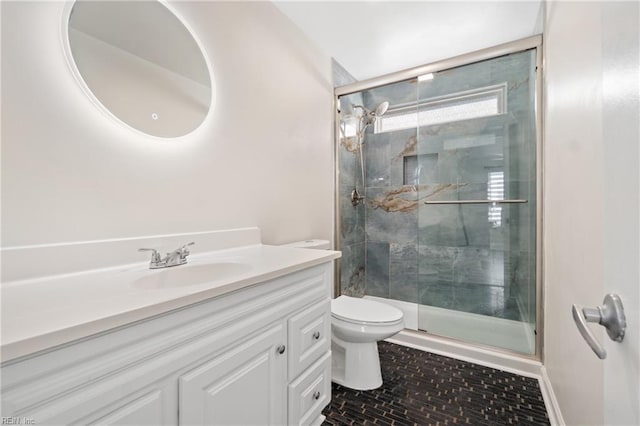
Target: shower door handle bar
(610, 315)
(477, 202)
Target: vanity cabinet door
(155, 406)
(125, 399)
(246, 385)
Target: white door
(592, 212)
(621, 141)
(245, 386)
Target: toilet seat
(362, 311)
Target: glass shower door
(475, 172)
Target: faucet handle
(184, 250)
(155, 256)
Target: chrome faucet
(174, 258)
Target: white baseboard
(550, 401)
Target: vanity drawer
(310, 393)
(309, 336)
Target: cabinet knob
(316, 335)
(316, 395)
(280, 349)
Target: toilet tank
(310, 244)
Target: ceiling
(373, 38)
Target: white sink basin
(187, 275)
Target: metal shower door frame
(533, 42)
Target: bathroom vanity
(252, 347)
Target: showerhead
(369, 117)
(382, 108)
(365, 120)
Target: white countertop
(43, 312)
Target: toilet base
(355, 365)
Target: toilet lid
(363, 310)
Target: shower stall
(438, 189)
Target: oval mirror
(140, 63)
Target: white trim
(550, 400)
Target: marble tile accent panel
(522, 149)
(376, 160)
(396, 94)
(470, 225)
(341, 76)
(522, 227)
(479, 265)
(386, 155)
(472, 298)
(481, 128)
(403, 272)
(442, 225)
(349, 165)
(471, 165)
(402, 199)
(514, 69)
(377, 277)
(420, 169)
(408, 198)
(351, 218)
(352, 272)
(466, 292)
(349, 143)
(488, 300)
(523, 283)
(481, 299)
(465, 153)
(403, 143)
(435, 264)
(477, 227)
(346, 103)
(391, 215)
(467, 279)
(438, 293)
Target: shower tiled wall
(352, 218)
(449, 256)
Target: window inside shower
(482, 102)
(447, 228)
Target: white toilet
(356, 327)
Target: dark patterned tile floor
(421, 388)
